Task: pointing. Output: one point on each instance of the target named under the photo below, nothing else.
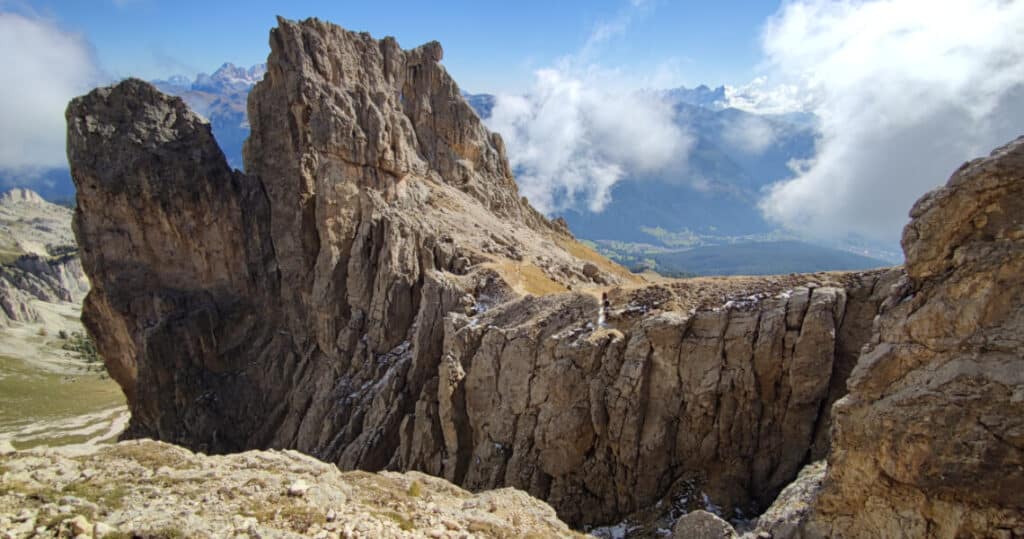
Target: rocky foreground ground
(157, 490)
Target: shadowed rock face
(363, 294)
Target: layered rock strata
(38, 258)
(374, 292)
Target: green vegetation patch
(109, 496)
(405, 523)
(154, 457)
(30, 395)
(166, 532)
(82, 344)
(291, 513)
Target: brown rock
(788, 515)
(80, 525)
(374, 292)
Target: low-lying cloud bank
(44, 67)
(571, 138)
(905, 91)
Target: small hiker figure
(604, 308)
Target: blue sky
(489, 47)
(904, 90)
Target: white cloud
(760, 97)
(571, 139)
(750, 134)
(580, 129)
(44, 67)
(905, 91)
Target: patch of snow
(710, 506)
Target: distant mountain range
(652, 221)
(220, 98)
(713, 202)
(228, 79)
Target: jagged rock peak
(348, 100)
(276, 308)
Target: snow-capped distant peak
(227, 79)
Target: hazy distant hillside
(52, 184)
(734, 156)
(31, 225)
(704, 219)
(638, 207)
(762, 258)
(483, 104)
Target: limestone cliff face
(38, 259)
(374, 292)
(603, 421)
(32, 277)
(930, 440)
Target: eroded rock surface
(374, 292)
